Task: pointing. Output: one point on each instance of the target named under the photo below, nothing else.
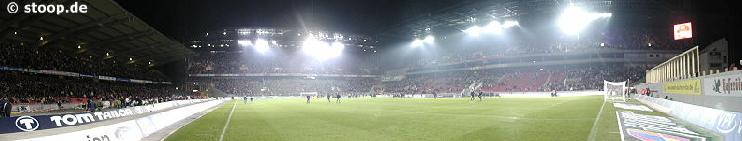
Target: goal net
(614, 91)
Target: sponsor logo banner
(632, 107)
(687, 87)
(727, 124)
(131, 130)
(32, 123)
(727, 84)
(641, 127)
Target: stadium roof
(459, 15)
(106, 28)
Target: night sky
(182, 18)
(185, 19)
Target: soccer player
(553, 93)
(337, 97)
(244, 100)
(308, 98)
(472, 95)
(480, 95)
(328, 98)
(250, 99)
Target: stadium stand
(237, 62)
(29, 57)
(106, 55)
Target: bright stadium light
(261, 45)
(416, 43)
(575, 19)
(494, 27)
(322, 50)
(336, 49)
(429, 39)
(337, 44)
(473, 31)
(509, 23)
(244, 42)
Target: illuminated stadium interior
(596, 70)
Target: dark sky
(180, 18)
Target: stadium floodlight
(429, 39)
(473, 31)
(261, 45)
(244, 42)
(510, 23)
(336, 49)
(494, 27)
(416, 43)
(337, 44)
(322, 50)
(575, 19)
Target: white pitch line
(591, 137)
(224, 130)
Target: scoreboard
(683, 31)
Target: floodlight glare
(244, 43)
(416, 43)
(575, 19)
(473, 31)
(261, 45)
(322, 50)
(494, 27)
(336, 49)
(429, 39)
(337, 45)
(509, 23)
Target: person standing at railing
(91, 104)
(6, 105)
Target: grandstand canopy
(106, 28)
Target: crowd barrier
(42, 122)
(132, 130)
(720, 91)
(727, 124)
(548, 94)
(74, 74)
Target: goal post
(614, 91)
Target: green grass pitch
(379, 119)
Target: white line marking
(591, 137)
(620, 128)
(221, 138)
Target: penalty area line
(224, 130)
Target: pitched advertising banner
(42, 122)
(726, 124)
(641, 127)
(687, 87)
(725, 84)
